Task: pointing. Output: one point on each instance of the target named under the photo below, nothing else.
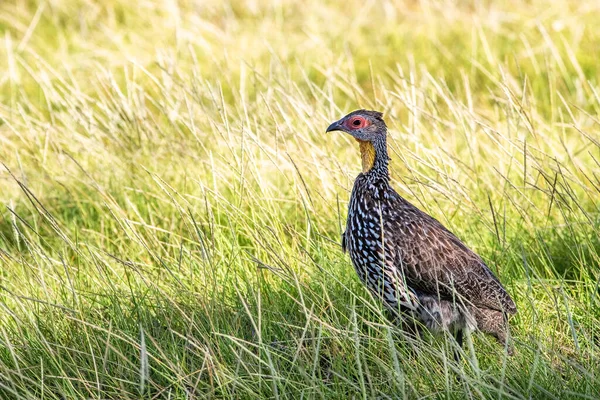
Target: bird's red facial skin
(357, 122)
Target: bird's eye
(356, 123)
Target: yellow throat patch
(367, 155)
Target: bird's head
(364, 125)
(369, 129)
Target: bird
(418, 268)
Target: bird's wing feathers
(435, 261)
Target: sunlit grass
(172, 207)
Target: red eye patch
(357, 122)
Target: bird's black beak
(336, 126)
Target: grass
(172, 207)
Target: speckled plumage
(409, 259)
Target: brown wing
(435, 261)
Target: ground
(172, 206)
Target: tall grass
(172, 207)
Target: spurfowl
(407, 258)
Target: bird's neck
(367, 155)
(374, 157)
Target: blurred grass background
(172, 208)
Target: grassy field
(172, 207)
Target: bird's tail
(495, 323)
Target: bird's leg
(411, 328)
(411, 331)
(459, 336)
(408, 325)
(404, 320)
